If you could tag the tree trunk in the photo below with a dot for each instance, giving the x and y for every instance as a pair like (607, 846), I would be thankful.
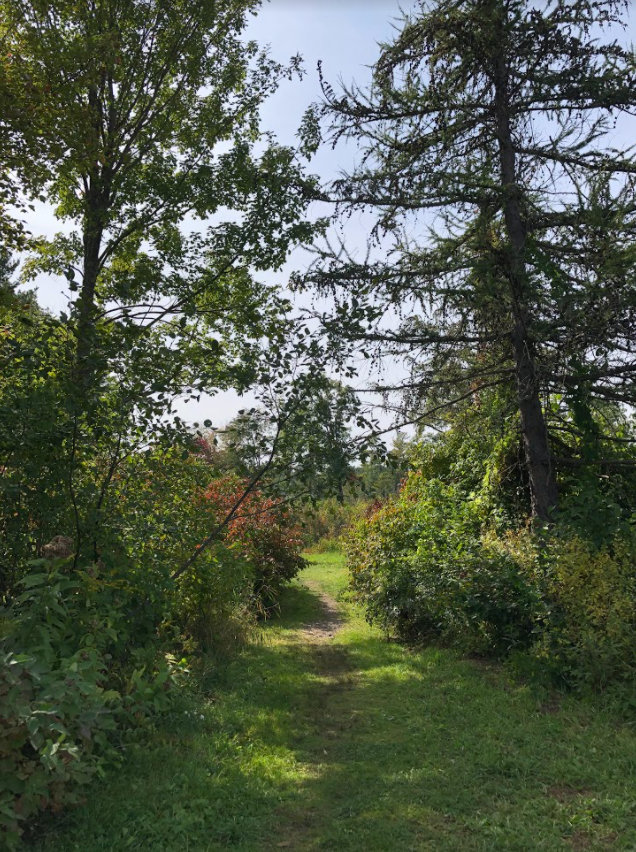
(97, 204)
(533, 429)
(86, 302)
(87, 356)
(533, 426)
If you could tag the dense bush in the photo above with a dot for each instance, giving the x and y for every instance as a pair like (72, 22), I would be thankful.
(69, 690)
(324, 523)
(327, 545)
(263, 532)
(215, 604)
(88, 653)
(422, 569)
(591, 635)
(158, 517)
(430, 565)
(34, 436)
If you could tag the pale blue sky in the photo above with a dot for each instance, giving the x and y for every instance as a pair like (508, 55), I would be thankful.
(342, 33)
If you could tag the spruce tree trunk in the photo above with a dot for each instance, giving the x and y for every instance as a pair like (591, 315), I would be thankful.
(533, 426)
(533, 429)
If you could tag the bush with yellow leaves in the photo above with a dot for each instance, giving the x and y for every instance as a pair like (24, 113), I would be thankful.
(591, 635)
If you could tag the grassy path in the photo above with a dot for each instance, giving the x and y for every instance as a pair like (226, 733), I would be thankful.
(322, 736)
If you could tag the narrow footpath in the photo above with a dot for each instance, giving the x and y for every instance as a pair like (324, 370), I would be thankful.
(321, 735)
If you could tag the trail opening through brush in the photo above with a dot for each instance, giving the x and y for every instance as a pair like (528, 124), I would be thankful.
(321, 735)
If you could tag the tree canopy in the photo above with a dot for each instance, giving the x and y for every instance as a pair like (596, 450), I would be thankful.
(149, 146)
(504, 214)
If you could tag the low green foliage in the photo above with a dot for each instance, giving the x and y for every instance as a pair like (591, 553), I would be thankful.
(591, 635)
(357, 743)
(431, 565)
(423, 571)
(214, 605)
(327, 545)
(66, 694)
(324, 523)
(88, 653)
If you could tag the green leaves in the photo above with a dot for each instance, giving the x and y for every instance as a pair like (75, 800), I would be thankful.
(502, 214)
(151, 116)
(58, 719)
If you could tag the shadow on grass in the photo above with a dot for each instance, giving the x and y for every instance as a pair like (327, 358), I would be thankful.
(298, 607)
(372, 748)
(426, 751)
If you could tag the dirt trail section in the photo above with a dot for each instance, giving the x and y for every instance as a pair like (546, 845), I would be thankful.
(330, 660)
(330, 622)
(301, 820)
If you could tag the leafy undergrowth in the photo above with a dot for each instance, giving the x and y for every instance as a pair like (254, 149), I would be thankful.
(354, 743)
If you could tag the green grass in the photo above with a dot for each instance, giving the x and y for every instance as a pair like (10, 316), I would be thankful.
(355, 743)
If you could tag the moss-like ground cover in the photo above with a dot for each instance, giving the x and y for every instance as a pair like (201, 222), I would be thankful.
(310, 742)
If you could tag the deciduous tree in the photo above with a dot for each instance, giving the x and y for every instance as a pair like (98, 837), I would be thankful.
(173, 200)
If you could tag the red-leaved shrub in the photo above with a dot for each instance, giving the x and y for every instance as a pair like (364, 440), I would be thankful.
(264, 532)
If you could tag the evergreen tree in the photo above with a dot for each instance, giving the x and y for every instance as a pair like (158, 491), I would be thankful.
(502, 253)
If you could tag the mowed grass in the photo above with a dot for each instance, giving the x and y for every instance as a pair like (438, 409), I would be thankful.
(355, 743)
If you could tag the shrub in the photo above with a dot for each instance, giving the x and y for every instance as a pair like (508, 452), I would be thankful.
(54, 721)
(215, 600)
(591, 637)
(327, 545)
(423, 570)
(263, 533)
(428, 567)
(328, 520)
(85, 650)
(67, 688)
